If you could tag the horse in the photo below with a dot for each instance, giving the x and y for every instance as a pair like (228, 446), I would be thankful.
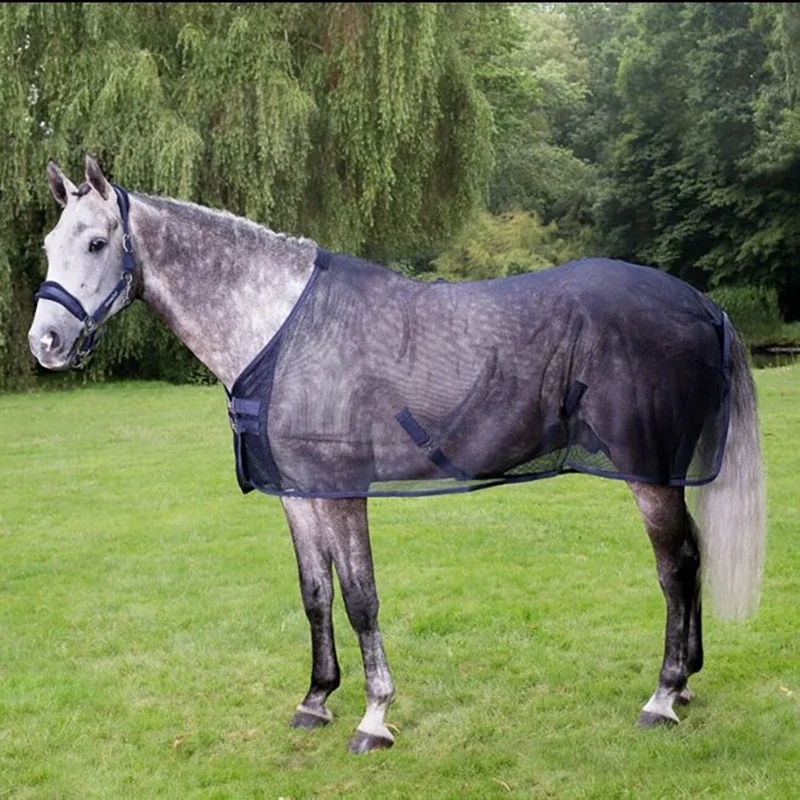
(346, 380)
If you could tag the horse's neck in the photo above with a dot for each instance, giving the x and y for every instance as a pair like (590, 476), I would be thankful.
(222, 284)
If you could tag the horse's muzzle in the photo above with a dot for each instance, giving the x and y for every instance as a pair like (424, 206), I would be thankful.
(50, 351)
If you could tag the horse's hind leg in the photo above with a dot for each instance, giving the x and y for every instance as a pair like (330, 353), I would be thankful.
(694, 655)
(352, 557)
(312, 547)
(678, 562)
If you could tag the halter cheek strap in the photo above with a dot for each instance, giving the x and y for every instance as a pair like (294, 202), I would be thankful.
(51, 290)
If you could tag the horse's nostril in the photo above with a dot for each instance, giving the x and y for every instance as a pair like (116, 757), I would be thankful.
(50, 341)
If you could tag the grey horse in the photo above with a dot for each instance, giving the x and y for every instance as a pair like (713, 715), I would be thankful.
(345, 381)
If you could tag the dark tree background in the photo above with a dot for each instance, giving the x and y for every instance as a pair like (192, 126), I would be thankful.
(458, 139)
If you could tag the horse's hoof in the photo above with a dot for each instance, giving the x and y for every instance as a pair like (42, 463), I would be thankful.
(307, 721)
(648, 719)
(367, 742)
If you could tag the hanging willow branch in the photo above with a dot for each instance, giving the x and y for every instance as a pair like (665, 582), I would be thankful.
(356, 124)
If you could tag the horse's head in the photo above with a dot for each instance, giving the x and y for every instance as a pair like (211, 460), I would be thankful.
(89, 267)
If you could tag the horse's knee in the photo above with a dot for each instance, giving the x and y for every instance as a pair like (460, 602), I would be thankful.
(689, 557)
(317, 600)
(679, 569)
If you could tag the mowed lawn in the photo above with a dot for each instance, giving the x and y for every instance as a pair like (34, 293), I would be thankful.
(153, 643)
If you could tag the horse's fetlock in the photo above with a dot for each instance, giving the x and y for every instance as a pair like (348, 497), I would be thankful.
(674, 678)
(381, 698)
(694, 663)
(328, 683)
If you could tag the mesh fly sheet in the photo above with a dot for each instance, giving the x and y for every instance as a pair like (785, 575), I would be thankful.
(380, 385)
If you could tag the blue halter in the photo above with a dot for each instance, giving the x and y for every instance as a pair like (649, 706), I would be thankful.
(51, 290)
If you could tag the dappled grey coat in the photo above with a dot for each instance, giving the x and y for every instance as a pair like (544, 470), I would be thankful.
(378, 384)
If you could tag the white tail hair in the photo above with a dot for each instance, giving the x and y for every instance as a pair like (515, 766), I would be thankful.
(731, 511)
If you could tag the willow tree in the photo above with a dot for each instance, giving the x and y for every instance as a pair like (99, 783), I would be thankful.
(357, 124)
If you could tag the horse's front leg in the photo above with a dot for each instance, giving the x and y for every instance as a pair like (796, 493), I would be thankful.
(352, 556)
(312, 547)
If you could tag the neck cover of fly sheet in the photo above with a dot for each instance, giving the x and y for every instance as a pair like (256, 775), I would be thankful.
(379, 385)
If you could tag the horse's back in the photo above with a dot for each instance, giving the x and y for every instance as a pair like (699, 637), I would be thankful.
(596, 365)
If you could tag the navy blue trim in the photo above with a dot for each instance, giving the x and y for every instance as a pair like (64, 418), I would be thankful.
(244, 415)
(252, 416)
(244, 374)
(238, 447)
(55, 292)
(124, 203)
(323, 259)
(246, 407)
(727, 330)
(488, 483)
(103, 309)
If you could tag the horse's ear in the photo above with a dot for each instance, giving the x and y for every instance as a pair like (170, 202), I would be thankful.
(96, 178)
(60, 184)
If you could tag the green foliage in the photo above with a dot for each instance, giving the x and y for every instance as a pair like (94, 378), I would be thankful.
(777, 108)
(494, 246)
(670, 129)
(360, 125)
(753, 310)
(702, 170)
(600, 29)
(537, 88)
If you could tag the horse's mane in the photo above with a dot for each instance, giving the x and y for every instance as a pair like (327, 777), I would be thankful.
(227, 221)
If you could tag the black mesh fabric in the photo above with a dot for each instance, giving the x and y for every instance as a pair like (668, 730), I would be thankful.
(381, 385)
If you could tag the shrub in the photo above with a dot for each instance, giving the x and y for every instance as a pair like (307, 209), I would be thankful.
(753, 310)
(493, 246)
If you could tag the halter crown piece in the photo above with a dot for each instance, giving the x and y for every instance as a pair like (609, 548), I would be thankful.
(51, 290)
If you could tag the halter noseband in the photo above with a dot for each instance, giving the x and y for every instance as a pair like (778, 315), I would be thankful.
(51, 290)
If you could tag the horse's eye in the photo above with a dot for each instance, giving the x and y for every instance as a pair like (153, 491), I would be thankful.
(96, 245)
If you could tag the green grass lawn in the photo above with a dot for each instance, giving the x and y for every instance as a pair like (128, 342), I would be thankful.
(153, 643)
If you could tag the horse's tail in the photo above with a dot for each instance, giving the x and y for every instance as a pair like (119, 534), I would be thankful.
(731, 510)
